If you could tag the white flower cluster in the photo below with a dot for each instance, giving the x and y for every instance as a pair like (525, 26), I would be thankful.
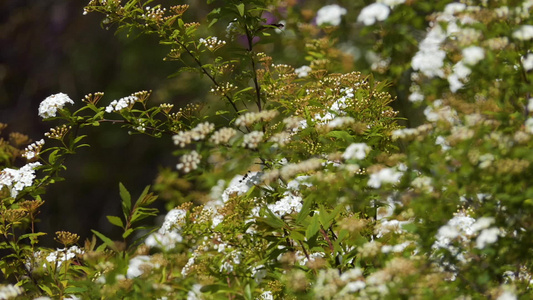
(290, 170)
(462, 228)
(251, 140)
(169, 234)
(423, 183)
(330, 15)
(140, 264)
(253, 117)
(372, 13)
(56, 258)
(240, 184)
(212, 43)
(356, 151)
(120, 104)
(49, 107)
(184, 138)
(385, 175)
(32, 150)
(286, 205)
(337, 108)
(189, 162)
(340, 122)
(303, 71)
(280, 138)
(10, 291)
(524, 33)
(222, 136)
(17, 180)
(527, 62)
(430, 57)
(406, 133)
(471, 56)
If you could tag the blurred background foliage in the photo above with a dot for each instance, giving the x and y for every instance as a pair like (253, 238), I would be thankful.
(49, 46)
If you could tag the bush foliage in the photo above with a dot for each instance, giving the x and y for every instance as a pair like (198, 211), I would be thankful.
(294, 178)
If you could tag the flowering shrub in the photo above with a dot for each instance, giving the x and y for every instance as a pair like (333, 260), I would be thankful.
(304, 185)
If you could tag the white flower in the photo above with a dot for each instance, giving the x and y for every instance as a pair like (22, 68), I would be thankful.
(472, 55)
(356, 151)
(241, 184)
(138, 265)
(430, 58)
(524, 33)
(507, 295)
(372, 13)
(48, 108)
(453, 8)
(460, 74)
(391, 3)
(267, 296)
(173, 220)
(120, 104)
(189, 162)
(17, 180)
(527, 62)
(385, 175)
(303, 71)
(529, 125)
(10, 291)
(251, 140)
(487, 236)
(330, 14)
(286, 205)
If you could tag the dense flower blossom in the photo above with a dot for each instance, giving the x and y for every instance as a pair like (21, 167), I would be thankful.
(303, 71)
(391, 3)
(525, 33)
(32, 150)
(251, 140)
(356, 151)
(10, 291)
(385, 175)
(189, 162)
(120, 104)
(527, 62)
(17, 180)
(372, 13)
(286, 205)
(138, 265)
(56, 258)
(429, 59)
(49, 107)
(330, 15)
(212, 43)
(472, 55)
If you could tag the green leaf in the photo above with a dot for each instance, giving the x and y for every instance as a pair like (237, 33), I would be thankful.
(297, 236)
(52, 158)
(240, 8)
(126, 199)
(248, 292)
(340, 134)
(107, 241)
(75, 289)
(304, 212)
(313, 227)
(127, 233)
(46, 289)
(222, 112)
(115, 221)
